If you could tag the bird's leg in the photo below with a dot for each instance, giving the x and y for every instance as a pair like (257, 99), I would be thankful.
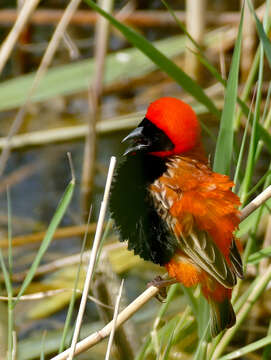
(161, 284)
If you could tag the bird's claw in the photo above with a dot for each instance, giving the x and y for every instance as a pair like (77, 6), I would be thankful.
(161, 284)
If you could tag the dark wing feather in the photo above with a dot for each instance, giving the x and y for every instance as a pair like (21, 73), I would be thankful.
(236, 260)
(200, 247)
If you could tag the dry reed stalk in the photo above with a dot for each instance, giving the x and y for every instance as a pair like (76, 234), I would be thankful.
(267, 242)
(195, 25)
(65, 232)
(105, 288)
(71, 46)
(92, 258)
(49, 293)
(76, 132)
(45, 62)
(14, 345)
(94, 93)
(123, 316)
(140, 18)
(64, 262)
(255, 203)
(116, 311)
(152, 291)
(19, 221)
(10, 41)
(19, 175)
(53, 266)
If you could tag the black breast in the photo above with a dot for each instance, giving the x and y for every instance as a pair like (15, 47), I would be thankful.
(133, 210)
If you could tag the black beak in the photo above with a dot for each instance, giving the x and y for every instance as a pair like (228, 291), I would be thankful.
(138, 140)
(147, 138)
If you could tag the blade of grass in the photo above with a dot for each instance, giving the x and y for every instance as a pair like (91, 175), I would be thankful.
(169, 345)
(253, 139)
(42, 355)
(256, 257)
(223, 153)
(202, 315)
(182, 27)
(185, 325)
(247, 349)
(267, 350)
(160, 59)
(10, 293)
(242, 148)
(262, 282)
(266, 119)
(142, 353)
(149, 345)
(262, 133)
(171, 293)
(73, 297)
(204, 60)
(7, 273)
(10, 260)
(201, 351)
(267, 104)
(10, 304)
(265, 136)
(248, 86)
(244, 303)
(238, 302)
(260, 182)
(161, 312)
(262, 31)
(183, 329)
(254, 226)
(252, 73)
(58, 215)
(259, 146)
(244, 298)
(254, 133)
(190, 297)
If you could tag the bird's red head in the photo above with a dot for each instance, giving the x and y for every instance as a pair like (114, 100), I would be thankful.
(170, 127)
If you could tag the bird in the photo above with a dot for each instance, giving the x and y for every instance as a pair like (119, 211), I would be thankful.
(175, 211)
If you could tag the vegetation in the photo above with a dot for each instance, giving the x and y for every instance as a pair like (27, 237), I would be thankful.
(179, 327)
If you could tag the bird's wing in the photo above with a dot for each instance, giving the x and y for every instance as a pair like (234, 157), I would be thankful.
(199, 246)
(236, 260)
(201, 211)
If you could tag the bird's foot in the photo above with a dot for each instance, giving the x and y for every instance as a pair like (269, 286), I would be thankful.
(161, 284)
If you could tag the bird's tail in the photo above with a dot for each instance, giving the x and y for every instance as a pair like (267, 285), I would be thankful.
(222, 315)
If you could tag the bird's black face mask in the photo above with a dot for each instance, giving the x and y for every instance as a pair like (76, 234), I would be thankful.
(148, 138)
